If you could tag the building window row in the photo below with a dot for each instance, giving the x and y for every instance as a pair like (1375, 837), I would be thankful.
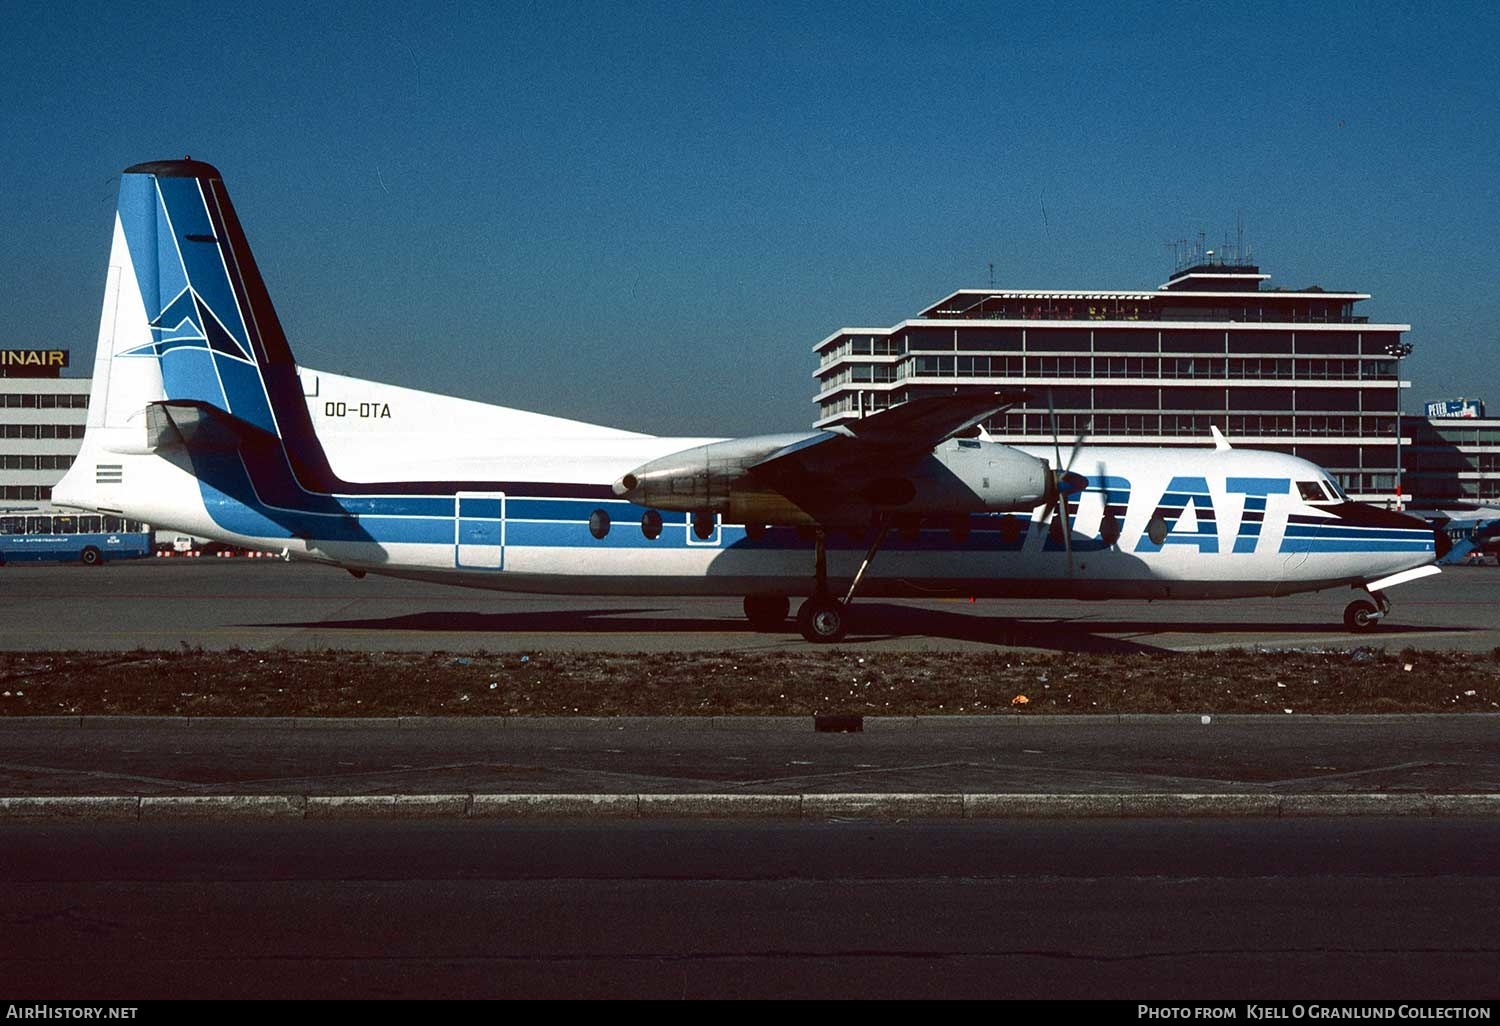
(1452, 461)
(27, 461)
(1450, 433)
(873, 345)
(1098, 425)
(862, 373)
(1212, 399)
(851, 402)
(1452, 489)
(1230, 368)
(26, 493)
(1335, 312)
(45, 400)
(41, 430)
(1321, 344)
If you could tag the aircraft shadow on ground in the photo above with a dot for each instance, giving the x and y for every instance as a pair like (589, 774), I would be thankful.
(876, 621)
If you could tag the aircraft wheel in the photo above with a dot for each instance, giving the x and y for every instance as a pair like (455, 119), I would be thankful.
(767, 612)
(90, 556)
(1360, 615)
(822, 619)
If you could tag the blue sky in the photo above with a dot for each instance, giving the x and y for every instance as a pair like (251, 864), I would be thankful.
(647, 214)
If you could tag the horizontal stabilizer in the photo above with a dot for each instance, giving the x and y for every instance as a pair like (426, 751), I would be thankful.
(200, 426)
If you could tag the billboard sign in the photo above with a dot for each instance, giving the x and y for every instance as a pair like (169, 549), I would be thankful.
(1445, 409)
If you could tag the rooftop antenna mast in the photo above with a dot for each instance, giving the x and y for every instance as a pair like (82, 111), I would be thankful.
(1179, 248)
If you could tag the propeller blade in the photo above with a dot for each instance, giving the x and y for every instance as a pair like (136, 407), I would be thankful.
(1057, 463)
(1060, 473)
(1078, 443)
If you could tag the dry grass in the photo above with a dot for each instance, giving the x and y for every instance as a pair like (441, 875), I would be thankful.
(340, 683)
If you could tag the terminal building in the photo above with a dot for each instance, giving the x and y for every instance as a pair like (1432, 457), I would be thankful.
(1294, 370)
(42, 418)
(1453, 462)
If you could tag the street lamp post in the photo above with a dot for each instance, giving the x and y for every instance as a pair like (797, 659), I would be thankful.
(1400, 350)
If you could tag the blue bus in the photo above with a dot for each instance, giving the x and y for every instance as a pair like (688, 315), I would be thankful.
(89, 539)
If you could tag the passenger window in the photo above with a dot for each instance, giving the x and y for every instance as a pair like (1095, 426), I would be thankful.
(1109, 529)
(1156, 530)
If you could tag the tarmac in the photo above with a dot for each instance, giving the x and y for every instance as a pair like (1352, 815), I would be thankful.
(257, 604)
(161, 769)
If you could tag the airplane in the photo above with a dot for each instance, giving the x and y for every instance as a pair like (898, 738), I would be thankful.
(202, 422)
(1476, 537)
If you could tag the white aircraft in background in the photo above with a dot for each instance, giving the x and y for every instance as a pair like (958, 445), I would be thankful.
(202, 422)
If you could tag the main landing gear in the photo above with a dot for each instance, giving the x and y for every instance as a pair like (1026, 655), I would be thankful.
(823, 617)
(1364, 613)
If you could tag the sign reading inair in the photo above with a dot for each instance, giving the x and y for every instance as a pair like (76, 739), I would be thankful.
(32, 363)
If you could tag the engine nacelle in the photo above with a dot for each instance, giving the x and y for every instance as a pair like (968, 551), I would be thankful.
(961, 476)
(703, 478)
(969, 476)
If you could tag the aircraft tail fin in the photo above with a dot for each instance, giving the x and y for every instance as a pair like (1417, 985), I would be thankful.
(188, 319)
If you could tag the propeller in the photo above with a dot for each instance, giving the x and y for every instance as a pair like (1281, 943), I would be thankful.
(1064, 481)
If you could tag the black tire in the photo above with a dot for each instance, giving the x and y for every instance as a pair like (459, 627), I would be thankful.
(1361, 615)
(822, 620)
(767, 612)
(91, 556)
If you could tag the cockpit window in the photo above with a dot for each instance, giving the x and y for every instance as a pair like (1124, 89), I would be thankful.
(1333, 486)
(1311, 491)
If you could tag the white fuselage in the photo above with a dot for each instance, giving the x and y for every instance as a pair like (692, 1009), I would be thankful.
(1235, 522)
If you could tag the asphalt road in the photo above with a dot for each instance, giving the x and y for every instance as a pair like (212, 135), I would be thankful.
(1319, 909)
(222, 604)
(1252, 755)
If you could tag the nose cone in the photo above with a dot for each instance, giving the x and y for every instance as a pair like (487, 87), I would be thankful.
(1364, 515)
(1069, 483)
(1413, 529)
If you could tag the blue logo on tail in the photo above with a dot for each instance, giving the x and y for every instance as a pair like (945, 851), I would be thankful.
(182, 267)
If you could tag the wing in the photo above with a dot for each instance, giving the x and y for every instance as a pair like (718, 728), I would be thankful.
(865, 458)
(884, 461)
(891, 440)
